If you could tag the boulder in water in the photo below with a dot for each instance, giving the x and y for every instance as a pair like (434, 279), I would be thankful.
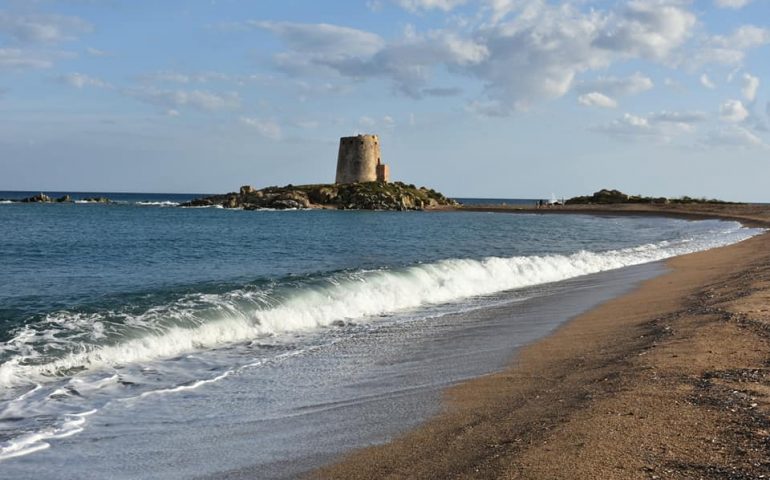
(39, 198)
(97, 200)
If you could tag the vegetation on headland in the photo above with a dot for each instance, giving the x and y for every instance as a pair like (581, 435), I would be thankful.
(352, 196)
(607, 197)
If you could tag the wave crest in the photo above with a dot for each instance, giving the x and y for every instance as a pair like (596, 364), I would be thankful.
(205, 321)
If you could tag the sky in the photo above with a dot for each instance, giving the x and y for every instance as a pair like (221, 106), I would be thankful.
(476, 98)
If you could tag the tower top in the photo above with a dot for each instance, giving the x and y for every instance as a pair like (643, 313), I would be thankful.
(361, 137)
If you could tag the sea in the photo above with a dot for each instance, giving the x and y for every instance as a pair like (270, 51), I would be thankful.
(140, 339)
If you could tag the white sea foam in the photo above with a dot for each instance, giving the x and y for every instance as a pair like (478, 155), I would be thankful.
(243, 315)
(199, 383)
(189, 386)
(36, 441)
(158, 204)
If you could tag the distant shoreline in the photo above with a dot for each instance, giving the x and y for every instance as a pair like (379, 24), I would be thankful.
(750, 214)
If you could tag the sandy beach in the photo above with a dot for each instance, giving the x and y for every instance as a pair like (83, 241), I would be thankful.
(668, 381)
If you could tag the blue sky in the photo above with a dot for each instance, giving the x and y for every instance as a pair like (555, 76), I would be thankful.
(495, 98)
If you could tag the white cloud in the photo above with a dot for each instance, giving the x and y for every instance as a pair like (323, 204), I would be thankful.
(682, 118)
(17, 59)
(80, 80)
(661, 127)
(318, 49)
(441, 91)
(734, 136)
(539, 56)
(95, 52)
(750, 87)
(628, 126)
(615, 86)
(728, 49)
(706, 82)
(266, 128)
(329, 42)
(731, 3)
(733, 111)
(30, 38)
(648, 29)
(539, 53)
(596, 99)
(673, 84)
(500, 9)
(25, 29)
(417, 5)
(410, 61)
(313, 48)
(746, 36)
(170, 76)
(176, 99)
(522, 51)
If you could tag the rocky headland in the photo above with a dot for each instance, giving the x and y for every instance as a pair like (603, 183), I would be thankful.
(609, 197)
(43, 198)
(352, 196)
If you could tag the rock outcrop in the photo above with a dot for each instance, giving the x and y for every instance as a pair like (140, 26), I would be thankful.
(606, 196)
(354, 196)
(43, 198)
(39, 198)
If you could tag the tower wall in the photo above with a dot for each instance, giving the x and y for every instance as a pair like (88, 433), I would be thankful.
(383, 173)
(358, 159)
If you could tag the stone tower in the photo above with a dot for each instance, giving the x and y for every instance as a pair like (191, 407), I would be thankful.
(359, 160)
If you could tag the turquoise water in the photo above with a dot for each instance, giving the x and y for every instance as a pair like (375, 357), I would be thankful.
(102, 305)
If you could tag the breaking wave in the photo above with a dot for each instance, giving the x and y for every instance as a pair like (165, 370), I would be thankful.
(67, 341)
(38, 440)
(158, 204)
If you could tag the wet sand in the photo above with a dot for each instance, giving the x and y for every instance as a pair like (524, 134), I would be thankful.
(669, 381)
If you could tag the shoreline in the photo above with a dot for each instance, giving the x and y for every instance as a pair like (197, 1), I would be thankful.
(750, 215)
(667, 381)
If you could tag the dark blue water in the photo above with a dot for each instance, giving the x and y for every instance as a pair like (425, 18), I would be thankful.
(102, 305)
(71, 255)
